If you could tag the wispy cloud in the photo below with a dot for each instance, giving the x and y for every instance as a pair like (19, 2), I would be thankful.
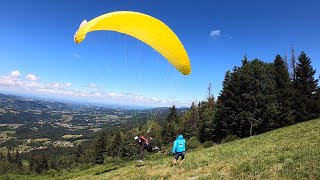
(218, 34)
(76, 55)
(13, 82)
(215, 34)
(92, 85)
(67, 84)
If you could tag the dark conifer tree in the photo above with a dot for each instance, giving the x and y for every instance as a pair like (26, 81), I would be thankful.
(256, 106)
(2, 156)
(117, 145)
(99, 148)
(52, 162)
(203, 125)
(9, 157)
(284, 92)
(226, 102)
(305, 89)
(173, 115)
(247, 104)
(206, 111)
(317, 105)
(191, 122)
(79, 153)
(172, 120)
(32, 162)
(43, 163)
(17, 159)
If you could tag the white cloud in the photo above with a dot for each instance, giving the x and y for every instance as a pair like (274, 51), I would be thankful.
(7, 81)
(30, 84)
(31, 77)
(93, 86)
(215, 34)
(111, 94)
(58, 85)
(15, 74)
(50, 91)
(155, 99)
(67, 84)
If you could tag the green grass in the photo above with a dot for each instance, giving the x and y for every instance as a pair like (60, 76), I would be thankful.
(66, 118)
(8, 132)
(287, 153)
(69, 136)
(80, 141)
(7, 135)
(41, 140)
(3, 150)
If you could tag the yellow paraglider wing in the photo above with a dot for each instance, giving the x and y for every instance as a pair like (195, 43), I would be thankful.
(145, 28)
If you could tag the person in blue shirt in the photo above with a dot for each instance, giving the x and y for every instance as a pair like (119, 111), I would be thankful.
(179, 149)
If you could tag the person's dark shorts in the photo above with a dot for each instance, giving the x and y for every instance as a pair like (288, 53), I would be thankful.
(176, 157)
(147, 147)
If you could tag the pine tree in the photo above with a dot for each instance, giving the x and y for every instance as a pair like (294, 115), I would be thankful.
(255, 102)
(173, 115)
(117, 145)
(169, 129)
(9, 157)
(247, 104)
(203, 123)
(79, 153)
(53, 163)
(192, 122)
(225, 102)
(244, 60)
(305, 89)
(284, 92)
(99, 147)
(317, 105)
(156, 133)
(210, 98)
(32, 162)
(17, 160)
(293, 72)
(2, 156)
(43, 163)
(206, 111)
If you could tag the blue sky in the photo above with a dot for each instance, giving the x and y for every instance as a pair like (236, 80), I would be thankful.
(38, 55)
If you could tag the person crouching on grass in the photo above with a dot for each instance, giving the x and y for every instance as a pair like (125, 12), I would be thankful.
(179, 149)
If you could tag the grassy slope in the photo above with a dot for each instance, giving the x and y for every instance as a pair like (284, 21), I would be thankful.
(288, 153)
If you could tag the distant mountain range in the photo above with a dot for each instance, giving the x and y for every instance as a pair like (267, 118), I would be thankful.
(18, 109)
(39, 100)
(76, 102)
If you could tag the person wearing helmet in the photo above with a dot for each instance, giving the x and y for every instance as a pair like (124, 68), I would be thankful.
(179, 149)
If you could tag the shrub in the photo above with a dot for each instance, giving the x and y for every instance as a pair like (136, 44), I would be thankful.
(83, 167)
(166, 150)
(230, 138)
(193, 143)
(52, 173)
(207, 144)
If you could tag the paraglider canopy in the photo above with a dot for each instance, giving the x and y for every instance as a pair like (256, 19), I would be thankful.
(145, 28)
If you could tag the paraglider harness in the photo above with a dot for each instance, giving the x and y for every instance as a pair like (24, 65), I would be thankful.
(144, 143)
